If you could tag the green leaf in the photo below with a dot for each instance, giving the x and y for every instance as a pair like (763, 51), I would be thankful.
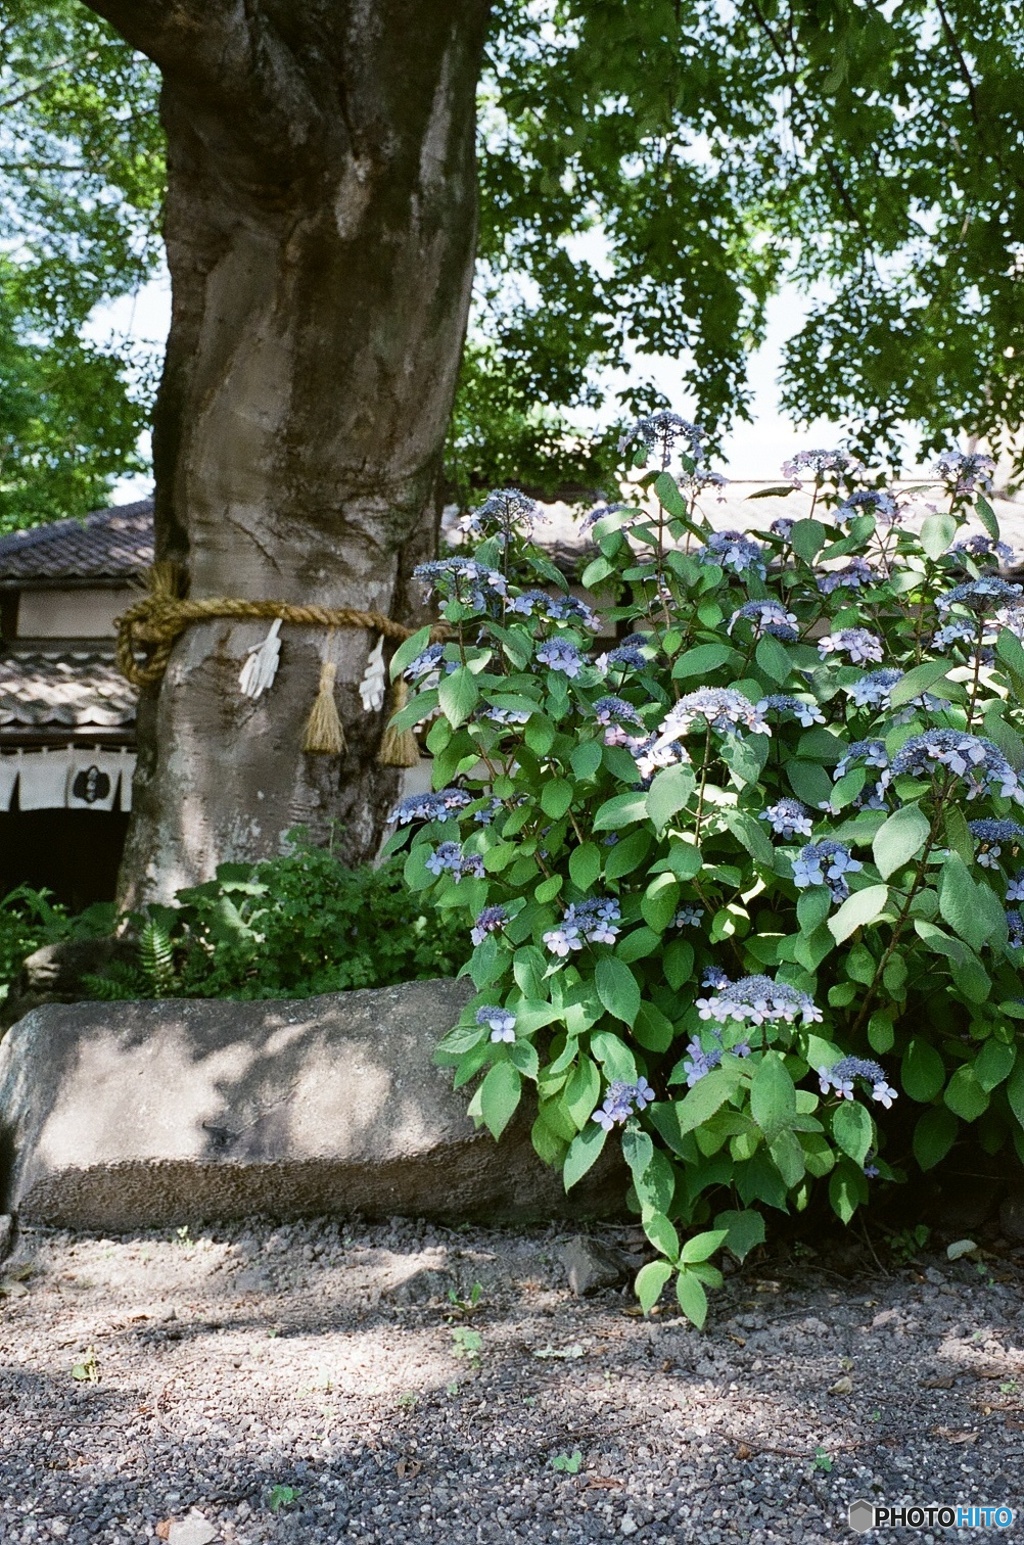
(788, 1158)
(617, 988)
(957, 833)
(922, 1072)
(458, 695)
(548, 889)
(1015, 1091)
(857, 911)
(620, 810)
(627, 856)
(964, 1094)
(638, 1151)
(900, 839)
(921, 679)
(702, 660)
(661, 1234)
(693, 1300)
(773, 659)
(684, 859)
(700, 1247)
(584, 1152)
(744, 1231)
(407, 651)
(987, 516)
(669, 792)
(808, 538)
(556, 797)
(696, 1107)
(585, 758)
(650, 1281)
(772, 1096)
(994, 1063)
(938, 531)
(585, 865)
(934, 1136)
(971, 909)
(660, 901)
(653, 1029)
(809, 782)
(852, 1129)
(499, 1096)
(615, 1057)
(581, 1093)
(751, 834)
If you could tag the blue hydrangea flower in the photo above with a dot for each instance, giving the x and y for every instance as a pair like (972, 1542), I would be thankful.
(858, 643)
(594, 921)
(629, 655)
(757, 1000)
(502, 1022)
(490, 920)
(783, 527)
(662, 431)
(842, 1076)
(569, 608)
(529, 601)
(615, 710)
(621, 1101)
(714, 976)
(959, 631)
(981, 547)
(821, 464)
(767, 617)
(485, 815)
(963, 473)
(1015, 928)
(825, 863)
(796, 708)
(733, 550)
(719, 708)
(463, 580)
(856, 574)
(428, 661)
(871, 752)
(981, 765)
(505, 715)
(651, 753)
(687, 917)
(1015, 887)
(869, 501)
(700, 1059)
(991, 835)
(788, 818)
(561, 655)
(872, 690)
(981, 596)
(441, 806)
(506, 512)
(601, 510)
(449, 856)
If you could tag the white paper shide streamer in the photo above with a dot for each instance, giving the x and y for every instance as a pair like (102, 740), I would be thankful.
(260, 668)
(373, 687)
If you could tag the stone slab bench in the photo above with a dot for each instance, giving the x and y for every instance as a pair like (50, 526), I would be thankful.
(116, 1116)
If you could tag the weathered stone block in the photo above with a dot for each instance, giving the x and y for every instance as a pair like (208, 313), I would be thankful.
(116, 1116)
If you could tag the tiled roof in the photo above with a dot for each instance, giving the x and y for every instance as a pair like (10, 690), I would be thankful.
(112, 544)
(70, 689)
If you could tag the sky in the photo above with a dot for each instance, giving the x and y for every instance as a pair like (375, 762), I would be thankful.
(753, 451)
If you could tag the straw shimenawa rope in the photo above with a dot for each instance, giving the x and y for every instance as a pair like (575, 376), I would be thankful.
(154, 624)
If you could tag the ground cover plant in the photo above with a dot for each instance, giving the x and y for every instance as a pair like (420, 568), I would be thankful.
(740, 882)
(30, 918)
(292, 926)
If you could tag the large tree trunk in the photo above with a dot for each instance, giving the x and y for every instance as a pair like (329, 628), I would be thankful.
(320, 233)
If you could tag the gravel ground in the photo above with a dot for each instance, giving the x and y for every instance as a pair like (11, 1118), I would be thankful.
(316, 1383)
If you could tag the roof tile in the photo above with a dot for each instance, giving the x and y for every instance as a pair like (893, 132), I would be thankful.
(111, 544)
(72, 689)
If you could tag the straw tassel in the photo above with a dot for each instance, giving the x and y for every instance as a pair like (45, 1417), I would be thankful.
(324, 733)
(398, 748)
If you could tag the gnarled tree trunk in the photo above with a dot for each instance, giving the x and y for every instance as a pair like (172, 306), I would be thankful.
(320, 233)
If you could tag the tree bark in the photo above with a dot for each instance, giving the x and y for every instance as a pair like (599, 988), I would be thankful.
(320, 226)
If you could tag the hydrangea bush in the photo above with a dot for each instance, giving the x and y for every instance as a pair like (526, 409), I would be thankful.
(741, 880)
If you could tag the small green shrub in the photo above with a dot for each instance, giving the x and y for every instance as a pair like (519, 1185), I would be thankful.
(289, 927)
(30, 918)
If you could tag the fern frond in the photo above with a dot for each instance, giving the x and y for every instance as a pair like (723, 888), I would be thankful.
(156, 956)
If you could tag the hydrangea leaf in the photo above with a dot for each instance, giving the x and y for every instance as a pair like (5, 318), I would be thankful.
(901, 839)
(584, 1152)
(858, 910)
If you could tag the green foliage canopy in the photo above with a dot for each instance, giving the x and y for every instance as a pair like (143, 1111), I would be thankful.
(650, 174)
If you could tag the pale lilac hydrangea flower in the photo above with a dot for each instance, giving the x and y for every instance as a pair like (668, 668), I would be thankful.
(842, 1076)
(767, 617)
(561, 655)
(991, 835)
(820, 464)
(463, 580)
(687, 917)
(621, 1101)
(733, 550)
(979, 762)
(448, 856)
(869, 501)
(856, 574)
(758, 1000)
(858, 643)
(662, 431)
(963, 473)
(825, 863)
(788, 818)
(502, 1022)
(490, 920)
(441, 806)
(594, 921)
(719, 708)
(796, 708)
(506, 512)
